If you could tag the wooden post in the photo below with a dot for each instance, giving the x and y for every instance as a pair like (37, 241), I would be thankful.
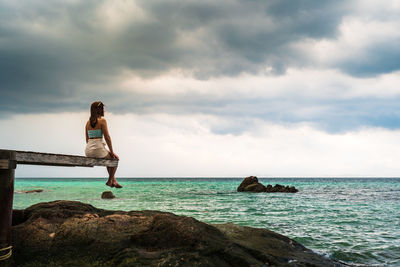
(8, 164)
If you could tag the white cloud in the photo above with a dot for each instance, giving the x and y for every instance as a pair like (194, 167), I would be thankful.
(386, 9)
(356, 35)
(366, 42)
(309, 83)
(117, 15)
(169, 145)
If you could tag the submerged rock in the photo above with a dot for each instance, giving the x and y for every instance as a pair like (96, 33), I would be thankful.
(107, 195)
(251, 184)
(70, 233)
(29, 191)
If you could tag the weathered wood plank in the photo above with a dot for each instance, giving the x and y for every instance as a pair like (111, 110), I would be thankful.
(36, 158)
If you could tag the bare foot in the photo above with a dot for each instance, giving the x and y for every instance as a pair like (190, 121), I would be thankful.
(117, 185)
(110, 184)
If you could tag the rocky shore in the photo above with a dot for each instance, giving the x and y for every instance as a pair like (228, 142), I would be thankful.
(69, 233)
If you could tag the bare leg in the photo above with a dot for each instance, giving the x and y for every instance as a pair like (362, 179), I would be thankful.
(112, 182)
(110, 177)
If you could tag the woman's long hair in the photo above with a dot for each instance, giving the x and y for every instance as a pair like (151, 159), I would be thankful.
(96, 110)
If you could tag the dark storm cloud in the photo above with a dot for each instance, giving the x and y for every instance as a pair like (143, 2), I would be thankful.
(235, 37)
(60, 56)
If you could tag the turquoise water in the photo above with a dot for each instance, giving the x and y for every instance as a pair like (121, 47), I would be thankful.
(348, 219)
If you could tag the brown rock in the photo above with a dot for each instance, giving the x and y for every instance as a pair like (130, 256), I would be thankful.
(251, 184)
(70, 233)
(292, 189)
(107, 195)
(247, 181)
(31, 191)
(280, 189)
(18, 217)
(255, 188)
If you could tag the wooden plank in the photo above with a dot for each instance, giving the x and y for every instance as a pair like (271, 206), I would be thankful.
(36, 158)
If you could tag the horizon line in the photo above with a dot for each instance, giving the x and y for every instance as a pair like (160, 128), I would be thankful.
(218, 177)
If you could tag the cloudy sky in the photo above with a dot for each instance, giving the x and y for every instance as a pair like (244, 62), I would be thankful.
(206, 88)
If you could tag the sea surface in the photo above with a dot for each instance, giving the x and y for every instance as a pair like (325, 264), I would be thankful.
(355, 220)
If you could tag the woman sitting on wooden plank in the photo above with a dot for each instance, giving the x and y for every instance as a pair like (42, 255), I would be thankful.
(95, 128)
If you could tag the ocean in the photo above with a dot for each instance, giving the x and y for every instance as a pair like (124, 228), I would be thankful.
(355, 220)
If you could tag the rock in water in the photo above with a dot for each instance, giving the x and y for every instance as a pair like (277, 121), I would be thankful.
(255, 188)
(30, 191)
(246, 182)
(251, 184)
(280, 189)
(107, 195)
(70, 233)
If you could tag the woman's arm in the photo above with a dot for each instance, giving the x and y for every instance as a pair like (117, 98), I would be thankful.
(107, 137)
(86, 133)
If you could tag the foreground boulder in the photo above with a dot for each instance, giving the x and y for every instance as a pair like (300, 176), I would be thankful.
(251, 184)
(69, 233)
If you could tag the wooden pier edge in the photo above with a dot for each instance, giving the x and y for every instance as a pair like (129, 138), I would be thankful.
(9, 159)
